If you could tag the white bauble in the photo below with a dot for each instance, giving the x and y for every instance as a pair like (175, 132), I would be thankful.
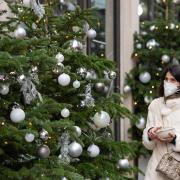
(91, 33)
(165, 58)
(101, 119)
(4, 89)
(59, 57)
(140, 124)
(127, 88)
(152, 43)
(29, 137)
(27, 3)
(123, 163)
(147, 99)
(78, 130)
(145, 77)
(64, 79)
(75, 149)
(172, 26)
(65, 112)
(93, 150)
(20, 32)
(152, 28)
(17, 115)
(76, 84)
(139, 46)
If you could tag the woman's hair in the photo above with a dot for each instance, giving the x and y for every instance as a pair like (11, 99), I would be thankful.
(175, 72)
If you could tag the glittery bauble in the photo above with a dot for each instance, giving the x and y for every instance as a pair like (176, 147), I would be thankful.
(4, 89)
(165, 58)
(145, 77)
(140, 124)
(123, 163)
(99, 87)
(127, 88)
(112, 75)
(44, 135)
(76, 84)
(43, 151)
(75, 149)
(78, 130)
(91, 33)
(64, 79)
(29, 137)
(20, 32)
(17, 115)
(93, 150)
(59, 57)
(65, 112)
(101, 119)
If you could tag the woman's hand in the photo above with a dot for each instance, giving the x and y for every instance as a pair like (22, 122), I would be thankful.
(168, 139)
(152, 132)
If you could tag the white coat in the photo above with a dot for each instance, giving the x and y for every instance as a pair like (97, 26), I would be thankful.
(164, 115)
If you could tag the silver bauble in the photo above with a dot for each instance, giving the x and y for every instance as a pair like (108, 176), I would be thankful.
(44, 135)
(4, 89)
(151, 44)
(78, 130)
(127, 89)
(106, 89)
(59, 57)
(93, 150)
(99, 87)
(76, 45)
(165, 58)
(101, 119)
(65, 112)
(20, 32)
(21, 79)
(17, 115)
(123, 163)
(152, 28)
(75, 149)
(29, 137)
(64, 79)
(140, 124)
(82, 71)
(91, 33)
(90, 75)
(112, 75)
(43, 151)
(76, 84)
(139, 46)
(145, 77)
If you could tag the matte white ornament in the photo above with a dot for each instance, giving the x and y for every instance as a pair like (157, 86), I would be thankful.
(78, 130)
(27, 3)
(165, 58)
(145, 77)
(65, 112)
(140, 124)
(4, 89)
(127, 88)
(101, 119)
(75, 149)
(17, 115)
(64, 79)
(59, 57)
(91, 33)
(20, 32)
(93, 150)
(29, 137)
(123, 163)
(76, 84)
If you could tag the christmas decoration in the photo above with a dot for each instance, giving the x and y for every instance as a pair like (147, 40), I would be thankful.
(78, 130)
(112, 75)
(147, 99)
(43, 151)
(101, 119)
(127, 88)
(76, 45)
(29, 137)
(44, 135)
(139, 46)
(27, 3)
(64, 79)
(99, 87)
(90, 75)
(152, 44)
(76, 84)
(59, 57)
(141, 123)
(165, 58)
(91, 33)
(82, 71)
(93, 150)
(65, 112)
(17, 115)
(75, 149)
(64, 178)
(4, 89)
(20, 32)
(145, 77)
(123, 163)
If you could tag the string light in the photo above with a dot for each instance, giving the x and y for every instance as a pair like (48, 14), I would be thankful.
(5, 142)
(49, 137)
(135, 103)
(102, 55)
(30, 123)
(153, 87)
(157, 74)
(177, 26)
(150, 92)
(166, 27)
(67, 37)
(136, 54)
(2, 123)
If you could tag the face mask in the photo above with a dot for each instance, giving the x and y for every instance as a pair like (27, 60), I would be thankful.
(169, 88)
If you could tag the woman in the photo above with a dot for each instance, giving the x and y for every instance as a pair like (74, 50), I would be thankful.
(163, 112)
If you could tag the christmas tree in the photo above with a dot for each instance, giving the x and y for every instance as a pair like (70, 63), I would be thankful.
(155, 47)
(56, 102)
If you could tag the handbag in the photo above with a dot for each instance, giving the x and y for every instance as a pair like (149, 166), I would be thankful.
(169, 165)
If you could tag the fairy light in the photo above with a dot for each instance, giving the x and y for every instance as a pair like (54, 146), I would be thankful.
(5, 142)
(150, 92)
(102, 55)
(166, 27)
(49, 137)
(153, 87)
(67, 37)
(136, 54)
(157, 74)
(30, 123)
(2, 123)
(177, 26)
(135, 103)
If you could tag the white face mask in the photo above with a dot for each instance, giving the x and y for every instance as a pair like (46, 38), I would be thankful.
(169, 88)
